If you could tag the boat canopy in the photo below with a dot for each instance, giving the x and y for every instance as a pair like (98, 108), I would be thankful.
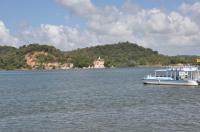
(185, 69)
(162, 70)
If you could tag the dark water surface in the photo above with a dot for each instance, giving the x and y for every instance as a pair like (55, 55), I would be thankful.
(108, 100)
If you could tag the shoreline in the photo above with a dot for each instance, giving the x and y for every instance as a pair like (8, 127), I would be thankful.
(140, 66)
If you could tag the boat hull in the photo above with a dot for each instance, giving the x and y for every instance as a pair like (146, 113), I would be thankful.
(170, 82)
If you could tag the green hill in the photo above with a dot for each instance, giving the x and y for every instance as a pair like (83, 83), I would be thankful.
(125, 55)
(119, 55)
(13, 58)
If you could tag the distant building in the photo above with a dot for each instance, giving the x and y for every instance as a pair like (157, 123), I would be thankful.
(99, 63)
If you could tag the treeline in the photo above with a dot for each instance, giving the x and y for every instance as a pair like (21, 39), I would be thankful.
(14, 58)
(125, 55)
(118, 55)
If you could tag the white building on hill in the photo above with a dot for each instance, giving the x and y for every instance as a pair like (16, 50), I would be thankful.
(99, 63)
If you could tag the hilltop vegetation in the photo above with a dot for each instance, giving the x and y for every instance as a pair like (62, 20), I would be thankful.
(118, 55)
(13, 58)
(125, 55)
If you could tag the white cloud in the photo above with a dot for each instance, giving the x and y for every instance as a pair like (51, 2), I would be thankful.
(66, 37)
(79, 7)
(60, 36)
(5, 36)
(195, 8)
(153, 28)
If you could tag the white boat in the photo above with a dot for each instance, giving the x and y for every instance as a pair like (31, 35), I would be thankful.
(187, 75)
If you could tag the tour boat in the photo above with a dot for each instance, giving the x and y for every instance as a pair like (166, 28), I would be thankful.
(186, 75)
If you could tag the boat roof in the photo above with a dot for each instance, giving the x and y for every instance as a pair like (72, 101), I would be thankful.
(162, 70)
(186, 69)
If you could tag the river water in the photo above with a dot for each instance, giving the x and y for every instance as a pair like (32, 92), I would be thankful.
(104, 100)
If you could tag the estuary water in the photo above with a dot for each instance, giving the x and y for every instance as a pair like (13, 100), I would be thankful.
(104, 100)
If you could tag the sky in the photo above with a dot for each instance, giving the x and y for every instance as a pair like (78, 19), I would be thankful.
(171, 27)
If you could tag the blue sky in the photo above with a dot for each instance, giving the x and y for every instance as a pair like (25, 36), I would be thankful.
(36, 12)
(102, 21)
(167, 4)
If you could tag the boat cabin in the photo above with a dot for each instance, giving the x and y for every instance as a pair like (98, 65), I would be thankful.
(179, 73)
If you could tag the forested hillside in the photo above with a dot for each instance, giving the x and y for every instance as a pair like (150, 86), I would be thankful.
(125, 55)
(118, 55)
(13, 58)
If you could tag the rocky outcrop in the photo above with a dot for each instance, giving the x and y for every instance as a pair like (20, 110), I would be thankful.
(56, 65)
(32, 61)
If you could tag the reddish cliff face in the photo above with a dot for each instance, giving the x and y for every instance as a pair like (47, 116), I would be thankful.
(32, 61)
